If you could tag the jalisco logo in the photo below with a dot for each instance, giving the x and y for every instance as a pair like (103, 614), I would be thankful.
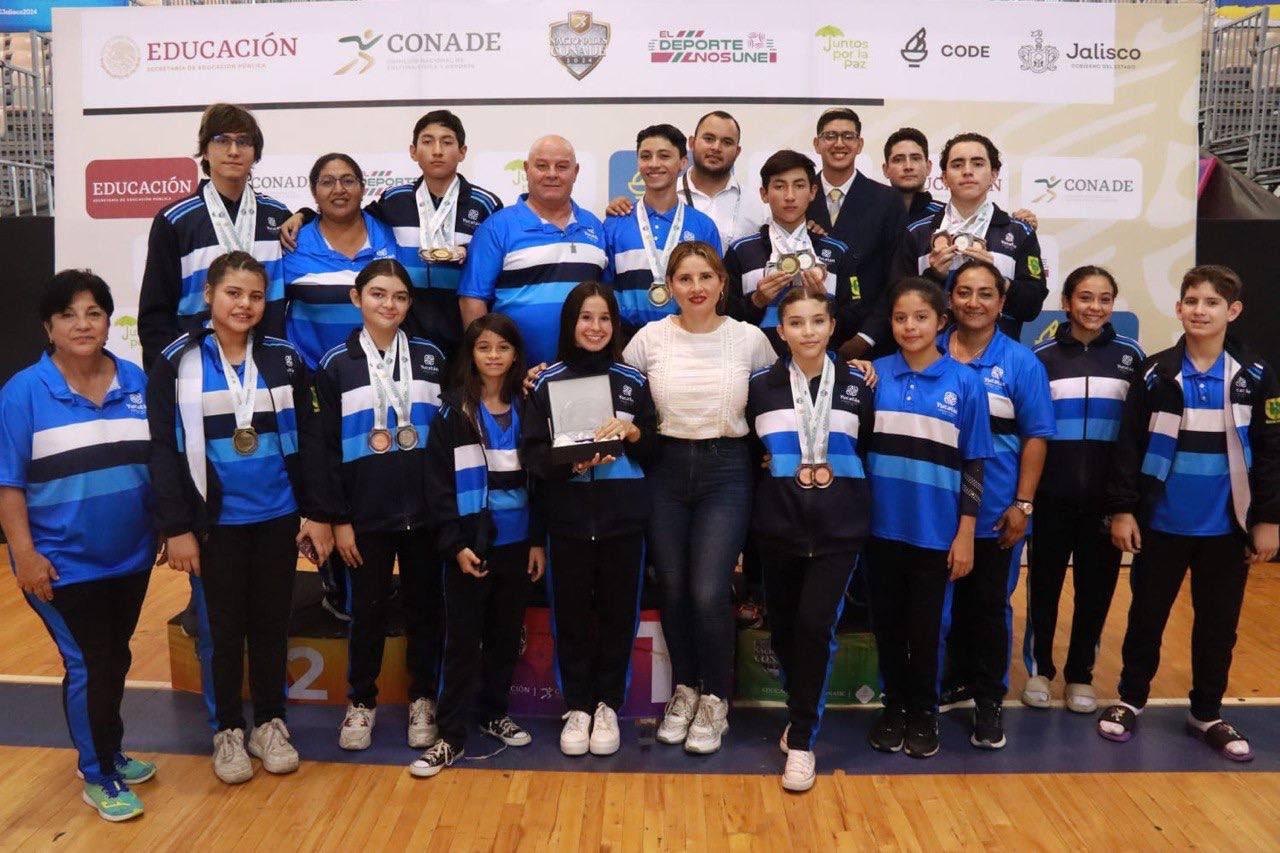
(695, 46)
(845, 52)
(578, 43)
(416, 50)
(1038, 57)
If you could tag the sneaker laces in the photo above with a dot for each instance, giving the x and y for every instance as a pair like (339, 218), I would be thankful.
(420, 713)
(276, 735)
(505, 727)
(576, 722)
(440, 752)
(706, 714)
(359, 715)
(226, 742)
(113, 788)
(604, 716)
(803, 761)
(678, 705)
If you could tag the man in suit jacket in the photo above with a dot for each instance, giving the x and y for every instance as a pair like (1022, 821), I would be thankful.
(864, 214)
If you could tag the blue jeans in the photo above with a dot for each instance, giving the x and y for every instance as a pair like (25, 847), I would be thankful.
(701, 509)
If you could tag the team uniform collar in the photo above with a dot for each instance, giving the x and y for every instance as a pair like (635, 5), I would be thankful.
(1064, 337)
(464, 188)
(779, 373)
(1215, 371)
(53, 379)
(991, 354)
(531, 221)
(898, 366)
(686, 181)
(1168, 364)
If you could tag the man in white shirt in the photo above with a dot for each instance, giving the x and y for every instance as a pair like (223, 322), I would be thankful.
(710, 184)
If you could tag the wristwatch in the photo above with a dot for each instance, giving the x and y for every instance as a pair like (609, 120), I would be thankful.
(1026, 507)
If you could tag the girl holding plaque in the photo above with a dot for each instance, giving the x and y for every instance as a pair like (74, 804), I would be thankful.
(478, 498)
(230, 419)
(925, 463)
(596, 511)
(378, 393)
(811, 415)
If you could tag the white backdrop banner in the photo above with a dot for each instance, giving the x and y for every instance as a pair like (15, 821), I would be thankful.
(1093, 106)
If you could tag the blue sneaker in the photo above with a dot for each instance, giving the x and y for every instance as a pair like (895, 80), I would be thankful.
(113, 800)
(134, 771)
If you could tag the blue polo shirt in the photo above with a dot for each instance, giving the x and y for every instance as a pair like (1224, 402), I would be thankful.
(83, 470)
(524, 267)
(317, 287)
(928, 424)
(1197, 492)
(1021, 407)
(628, 264)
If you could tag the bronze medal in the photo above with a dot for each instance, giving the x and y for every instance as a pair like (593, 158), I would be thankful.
(940, 241)
(823, 476)
(659, 294)
(245, 441)
(407, 437)
(804, 476)
(379, 440)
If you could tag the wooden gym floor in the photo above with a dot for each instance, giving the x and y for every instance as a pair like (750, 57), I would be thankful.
(345, 806)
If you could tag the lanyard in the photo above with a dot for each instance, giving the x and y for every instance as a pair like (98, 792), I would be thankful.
(243, 394)
(658, 260)
(813, 416)
(435, 224)
(385, 389)
(237, 235)
(733, 220)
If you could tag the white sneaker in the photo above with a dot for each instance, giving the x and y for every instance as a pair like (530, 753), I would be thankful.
(1081, 698)
(269, 743)
(782, 741)
(1036, 693)
(605, 737)
(800, 772)
(357, 727)
(423, 730)
(231, 763)
(709, 723)
(678, 715)
(575, 737)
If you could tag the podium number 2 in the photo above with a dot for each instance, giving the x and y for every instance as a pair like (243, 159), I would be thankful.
(301, 688)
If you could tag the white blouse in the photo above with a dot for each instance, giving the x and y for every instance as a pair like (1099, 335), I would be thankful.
(699, 381)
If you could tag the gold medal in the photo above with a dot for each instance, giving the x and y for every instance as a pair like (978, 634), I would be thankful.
(823, 476)
(379, 440)
(407, 437)
(245, 441)
(659, 294)
(440, 255)
(789, 264)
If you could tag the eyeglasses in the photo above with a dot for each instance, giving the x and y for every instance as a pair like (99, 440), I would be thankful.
(226, 140)
(834, 136)
(328, 182)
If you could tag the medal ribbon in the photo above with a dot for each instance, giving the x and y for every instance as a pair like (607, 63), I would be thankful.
(789, 244)
(237, 235)
(243, 394)
(658, 261)
(813, 416)
(435, 224)
(387, 390)
(975, 226)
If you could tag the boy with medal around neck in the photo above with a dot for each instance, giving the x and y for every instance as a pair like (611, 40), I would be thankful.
(219, 217)
(972, 226)
(639, 244)
(762, 267)
(433, 219)
(811, 415)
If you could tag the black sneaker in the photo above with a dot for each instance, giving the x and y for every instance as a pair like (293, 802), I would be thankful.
(921, 740)
(887, 734)
(435, 759)
(988, 727)
(506, 730)
(953, 697)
